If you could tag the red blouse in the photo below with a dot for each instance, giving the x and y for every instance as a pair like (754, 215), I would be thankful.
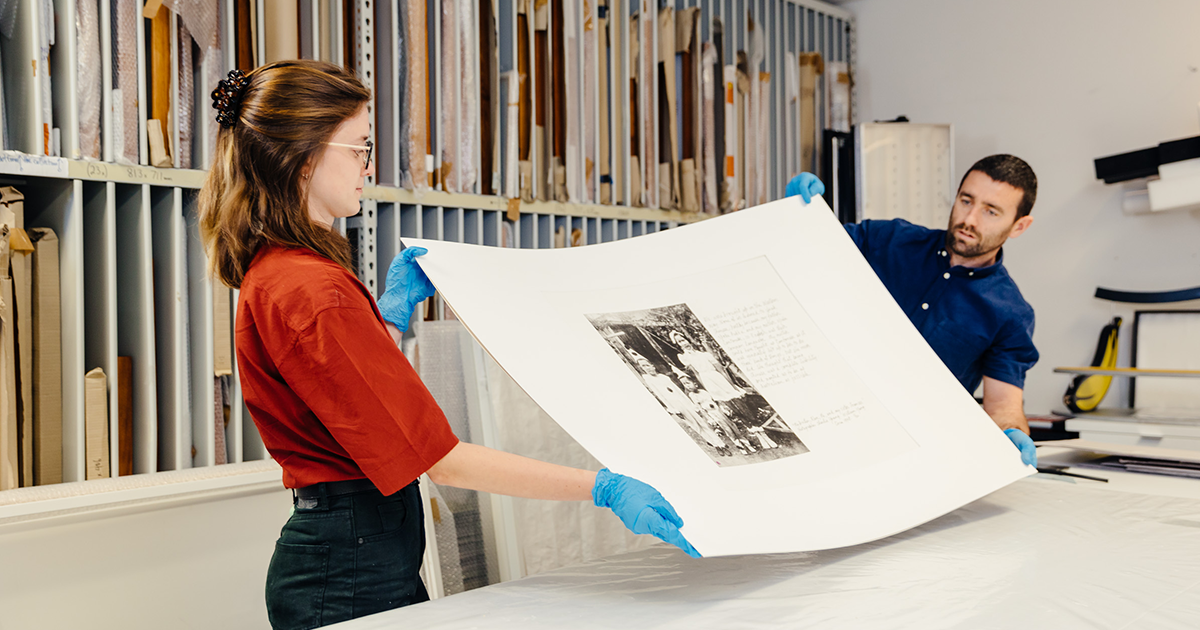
(332, 396)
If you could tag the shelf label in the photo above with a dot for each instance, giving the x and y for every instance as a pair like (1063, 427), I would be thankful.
(131, 173)
(17, 163)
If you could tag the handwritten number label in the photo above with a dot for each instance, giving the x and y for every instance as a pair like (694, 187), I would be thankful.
(97, 170)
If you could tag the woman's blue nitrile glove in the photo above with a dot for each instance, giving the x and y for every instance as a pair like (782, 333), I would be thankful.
(641, 508)
(407, 286)
(806, 185)
(1024, 444)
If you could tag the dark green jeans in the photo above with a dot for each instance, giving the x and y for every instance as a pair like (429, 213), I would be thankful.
(347, 556)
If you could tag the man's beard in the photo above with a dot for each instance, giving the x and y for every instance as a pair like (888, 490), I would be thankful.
(971, 250)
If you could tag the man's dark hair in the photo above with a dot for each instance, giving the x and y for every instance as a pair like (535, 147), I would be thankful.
(1011, 170)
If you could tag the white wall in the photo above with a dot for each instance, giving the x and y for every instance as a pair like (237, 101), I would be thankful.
(1057, 83)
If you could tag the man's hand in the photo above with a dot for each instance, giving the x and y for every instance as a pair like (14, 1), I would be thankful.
(1025, 445)
(806, 185)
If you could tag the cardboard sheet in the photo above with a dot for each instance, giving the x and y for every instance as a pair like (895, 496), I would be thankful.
(47, 359)
(749, 364)
(95, 424)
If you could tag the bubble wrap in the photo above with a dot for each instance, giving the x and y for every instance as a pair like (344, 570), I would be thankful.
(8, 17)
(550, 534)
(441, 370)
(446, 534)
(184, 105)
(202, 19)
(469, 98)
(87, 24)
(125, 21)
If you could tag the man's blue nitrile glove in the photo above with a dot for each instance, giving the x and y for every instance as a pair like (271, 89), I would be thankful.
(1023, 444)
(806, 185)
(407, 286)
(641, 508)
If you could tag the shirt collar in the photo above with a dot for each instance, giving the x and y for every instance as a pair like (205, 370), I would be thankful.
(943, 259)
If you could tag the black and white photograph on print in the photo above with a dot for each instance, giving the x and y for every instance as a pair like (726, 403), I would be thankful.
(672, 353)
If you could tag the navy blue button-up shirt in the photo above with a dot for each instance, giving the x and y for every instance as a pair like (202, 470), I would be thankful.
(974, 319)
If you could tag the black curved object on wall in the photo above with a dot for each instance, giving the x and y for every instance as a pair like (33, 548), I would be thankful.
(1148, 297)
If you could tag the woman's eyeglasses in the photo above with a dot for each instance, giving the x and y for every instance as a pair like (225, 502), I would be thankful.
(363, 151)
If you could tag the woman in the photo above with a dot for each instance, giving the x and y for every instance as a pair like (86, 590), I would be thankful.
(335, 401)
(711, 373)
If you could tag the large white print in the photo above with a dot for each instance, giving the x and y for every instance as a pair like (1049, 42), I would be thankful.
(751, 367)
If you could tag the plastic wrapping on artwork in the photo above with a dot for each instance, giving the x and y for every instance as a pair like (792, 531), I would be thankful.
(648, 92)
(574, 125)
(87, 24)
(184, 111)
(764, 134)
(730, 197)
(510, 89)
(468, 98)
(1037, 554)
(441, 369)
(707, 85)
(668, 114)
(457, 97)
(588, 192)
(201, 17)
(446, 534)
(126, 21)
(550, 534)
(753, 124)
(414, 103)
(201, 20)
(45, 84)
(448, 103)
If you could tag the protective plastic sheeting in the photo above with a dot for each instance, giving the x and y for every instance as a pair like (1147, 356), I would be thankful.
(1037, 554)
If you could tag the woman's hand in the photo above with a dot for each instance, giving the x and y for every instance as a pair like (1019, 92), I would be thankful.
(641, 508)
(407, 286)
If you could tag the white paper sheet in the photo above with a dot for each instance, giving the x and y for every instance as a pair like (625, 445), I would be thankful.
(825, 419)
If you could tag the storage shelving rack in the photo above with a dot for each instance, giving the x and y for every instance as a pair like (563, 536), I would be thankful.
(133, 275)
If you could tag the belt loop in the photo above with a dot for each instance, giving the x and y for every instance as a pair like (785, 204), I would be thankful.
(323, 504)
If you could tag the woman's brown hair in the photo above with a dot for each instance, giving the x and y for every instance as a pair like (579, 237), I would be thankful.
(253, 195)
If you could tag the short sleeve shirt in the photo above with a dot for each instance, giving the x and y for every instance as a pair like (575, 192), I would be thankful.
(975, 319)
(332, 396)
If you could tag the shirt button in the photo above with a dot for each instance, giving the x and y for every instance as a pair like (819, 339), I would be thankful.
(946, 275)
(925, 307)
(970, 273)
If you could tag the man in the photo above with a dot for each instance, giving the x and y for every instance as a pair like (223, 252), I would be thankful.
(953, 285)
